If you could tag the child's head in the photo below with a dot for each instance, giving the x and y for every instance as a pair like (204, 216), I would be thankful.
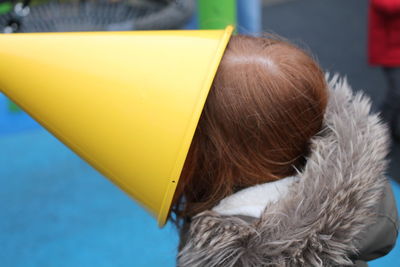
(267, 100)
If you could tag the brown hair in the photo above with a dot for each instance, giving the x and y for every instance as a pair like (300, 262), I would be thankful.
(266, 102)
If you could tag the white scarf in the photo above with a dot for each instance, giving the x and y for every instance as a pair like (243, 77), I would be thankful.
(253, 200)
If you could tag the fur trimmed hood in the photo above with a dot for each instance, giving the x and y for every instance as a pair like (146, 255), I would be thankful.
(325, 211)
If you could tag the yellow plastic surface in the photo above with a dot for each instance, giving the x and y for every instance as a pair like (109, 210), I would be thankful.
(126, 102)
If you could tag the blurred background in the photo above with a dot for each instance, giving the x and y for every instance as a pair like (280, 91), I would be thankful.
(55, 210)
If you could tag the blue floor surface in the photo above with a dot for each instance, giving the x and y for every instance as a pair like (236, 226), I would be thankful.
(55, 210)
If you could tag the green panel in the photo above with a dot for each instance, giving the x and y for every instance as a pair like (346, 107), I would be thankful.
(216, 14)
(5, 7)
(13, 107)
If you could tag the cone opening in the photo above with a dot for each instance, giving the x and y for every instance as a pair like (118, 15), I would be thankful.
(197, 110)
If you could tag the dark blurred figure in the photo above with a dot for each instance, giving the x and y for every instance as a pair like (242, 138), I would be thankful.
(384, 50)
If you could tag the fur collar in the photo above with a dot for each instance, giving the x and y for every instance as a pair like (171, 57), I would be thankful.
(252, 201)
(328, 208)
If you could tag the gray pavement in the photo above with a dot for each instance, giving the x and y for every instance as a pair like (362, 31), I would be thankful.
(335, 31)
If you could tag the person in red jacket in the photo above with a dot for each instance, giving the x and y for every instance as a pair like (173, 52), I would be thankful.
(384, 50)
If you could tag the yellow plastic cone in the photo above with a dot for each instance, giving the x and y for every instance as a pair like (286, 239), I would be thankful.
(126, 102)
